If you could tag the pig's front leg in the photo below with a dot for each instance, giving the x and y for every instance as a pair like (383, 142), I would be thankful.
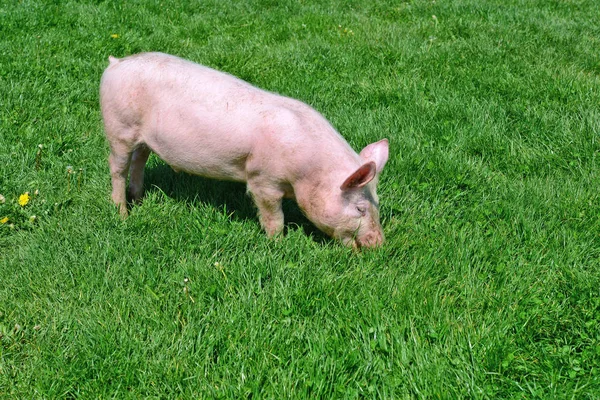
(268, 200)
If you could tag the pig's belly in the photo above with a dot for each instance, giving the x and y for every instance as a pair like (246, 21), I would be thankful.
(207, 165)
(207, 146)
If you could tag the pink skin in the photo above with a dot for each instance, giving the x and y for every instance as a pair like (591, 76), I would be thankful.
(212, 124)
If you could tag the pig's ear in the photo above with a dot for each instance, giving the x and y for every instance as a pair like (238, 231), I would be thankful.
(360, 177)
(377, 152)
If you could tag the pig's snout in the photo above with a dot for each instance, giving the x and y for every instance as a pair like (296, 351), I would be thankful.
(370, 239)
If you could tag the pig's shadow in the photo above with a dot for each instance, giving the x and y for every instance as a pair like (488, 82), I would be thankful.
(231, 196)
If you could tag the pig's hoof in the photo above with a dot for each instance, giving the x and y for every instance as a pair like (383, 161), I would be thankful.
(123, 212)
(135, 195)
(275, 234)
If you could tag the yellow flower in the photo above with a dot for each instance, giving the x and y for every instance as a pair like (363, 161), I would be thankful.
(24, 199)
(114, 36)
(4, 220)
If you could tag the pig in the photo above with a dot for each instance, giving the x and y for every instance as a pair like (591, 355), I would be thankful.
(209, 123)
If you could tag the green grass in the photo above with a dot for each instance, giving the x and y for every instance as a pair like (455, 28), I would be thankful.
(488, 285)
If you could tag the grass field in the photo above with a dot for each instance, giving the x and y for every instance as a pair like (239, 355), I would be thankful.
(488, 285)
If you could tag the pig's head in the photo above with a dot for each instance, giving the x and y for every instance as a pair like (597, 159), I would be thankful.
(353, 217)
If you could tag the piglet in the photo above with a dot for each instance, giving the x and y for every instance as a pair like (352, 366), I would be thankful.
(211, 124)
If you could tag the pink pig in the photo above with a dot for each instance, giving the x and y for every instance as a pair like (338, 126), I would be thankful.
(209, 123)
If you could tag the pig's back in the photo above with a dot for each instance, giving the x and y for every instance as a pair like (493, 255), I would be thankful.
(165, 78)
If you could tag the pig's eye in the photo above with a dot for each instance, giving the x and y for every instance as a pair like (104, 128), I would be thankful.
(361, 209)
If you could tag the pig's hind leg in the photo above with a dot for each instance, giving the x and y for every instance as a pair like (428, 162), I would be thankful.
(268, 200)
(136, 172)
(119, 161)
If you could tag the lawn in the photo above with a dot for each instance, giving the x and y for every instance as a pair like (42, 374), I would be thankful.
(488, 285)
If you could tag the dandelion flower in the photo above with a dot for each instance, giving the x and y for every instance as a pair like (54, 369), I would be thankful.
(24, 199)
(114, 36)
(4, 220)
